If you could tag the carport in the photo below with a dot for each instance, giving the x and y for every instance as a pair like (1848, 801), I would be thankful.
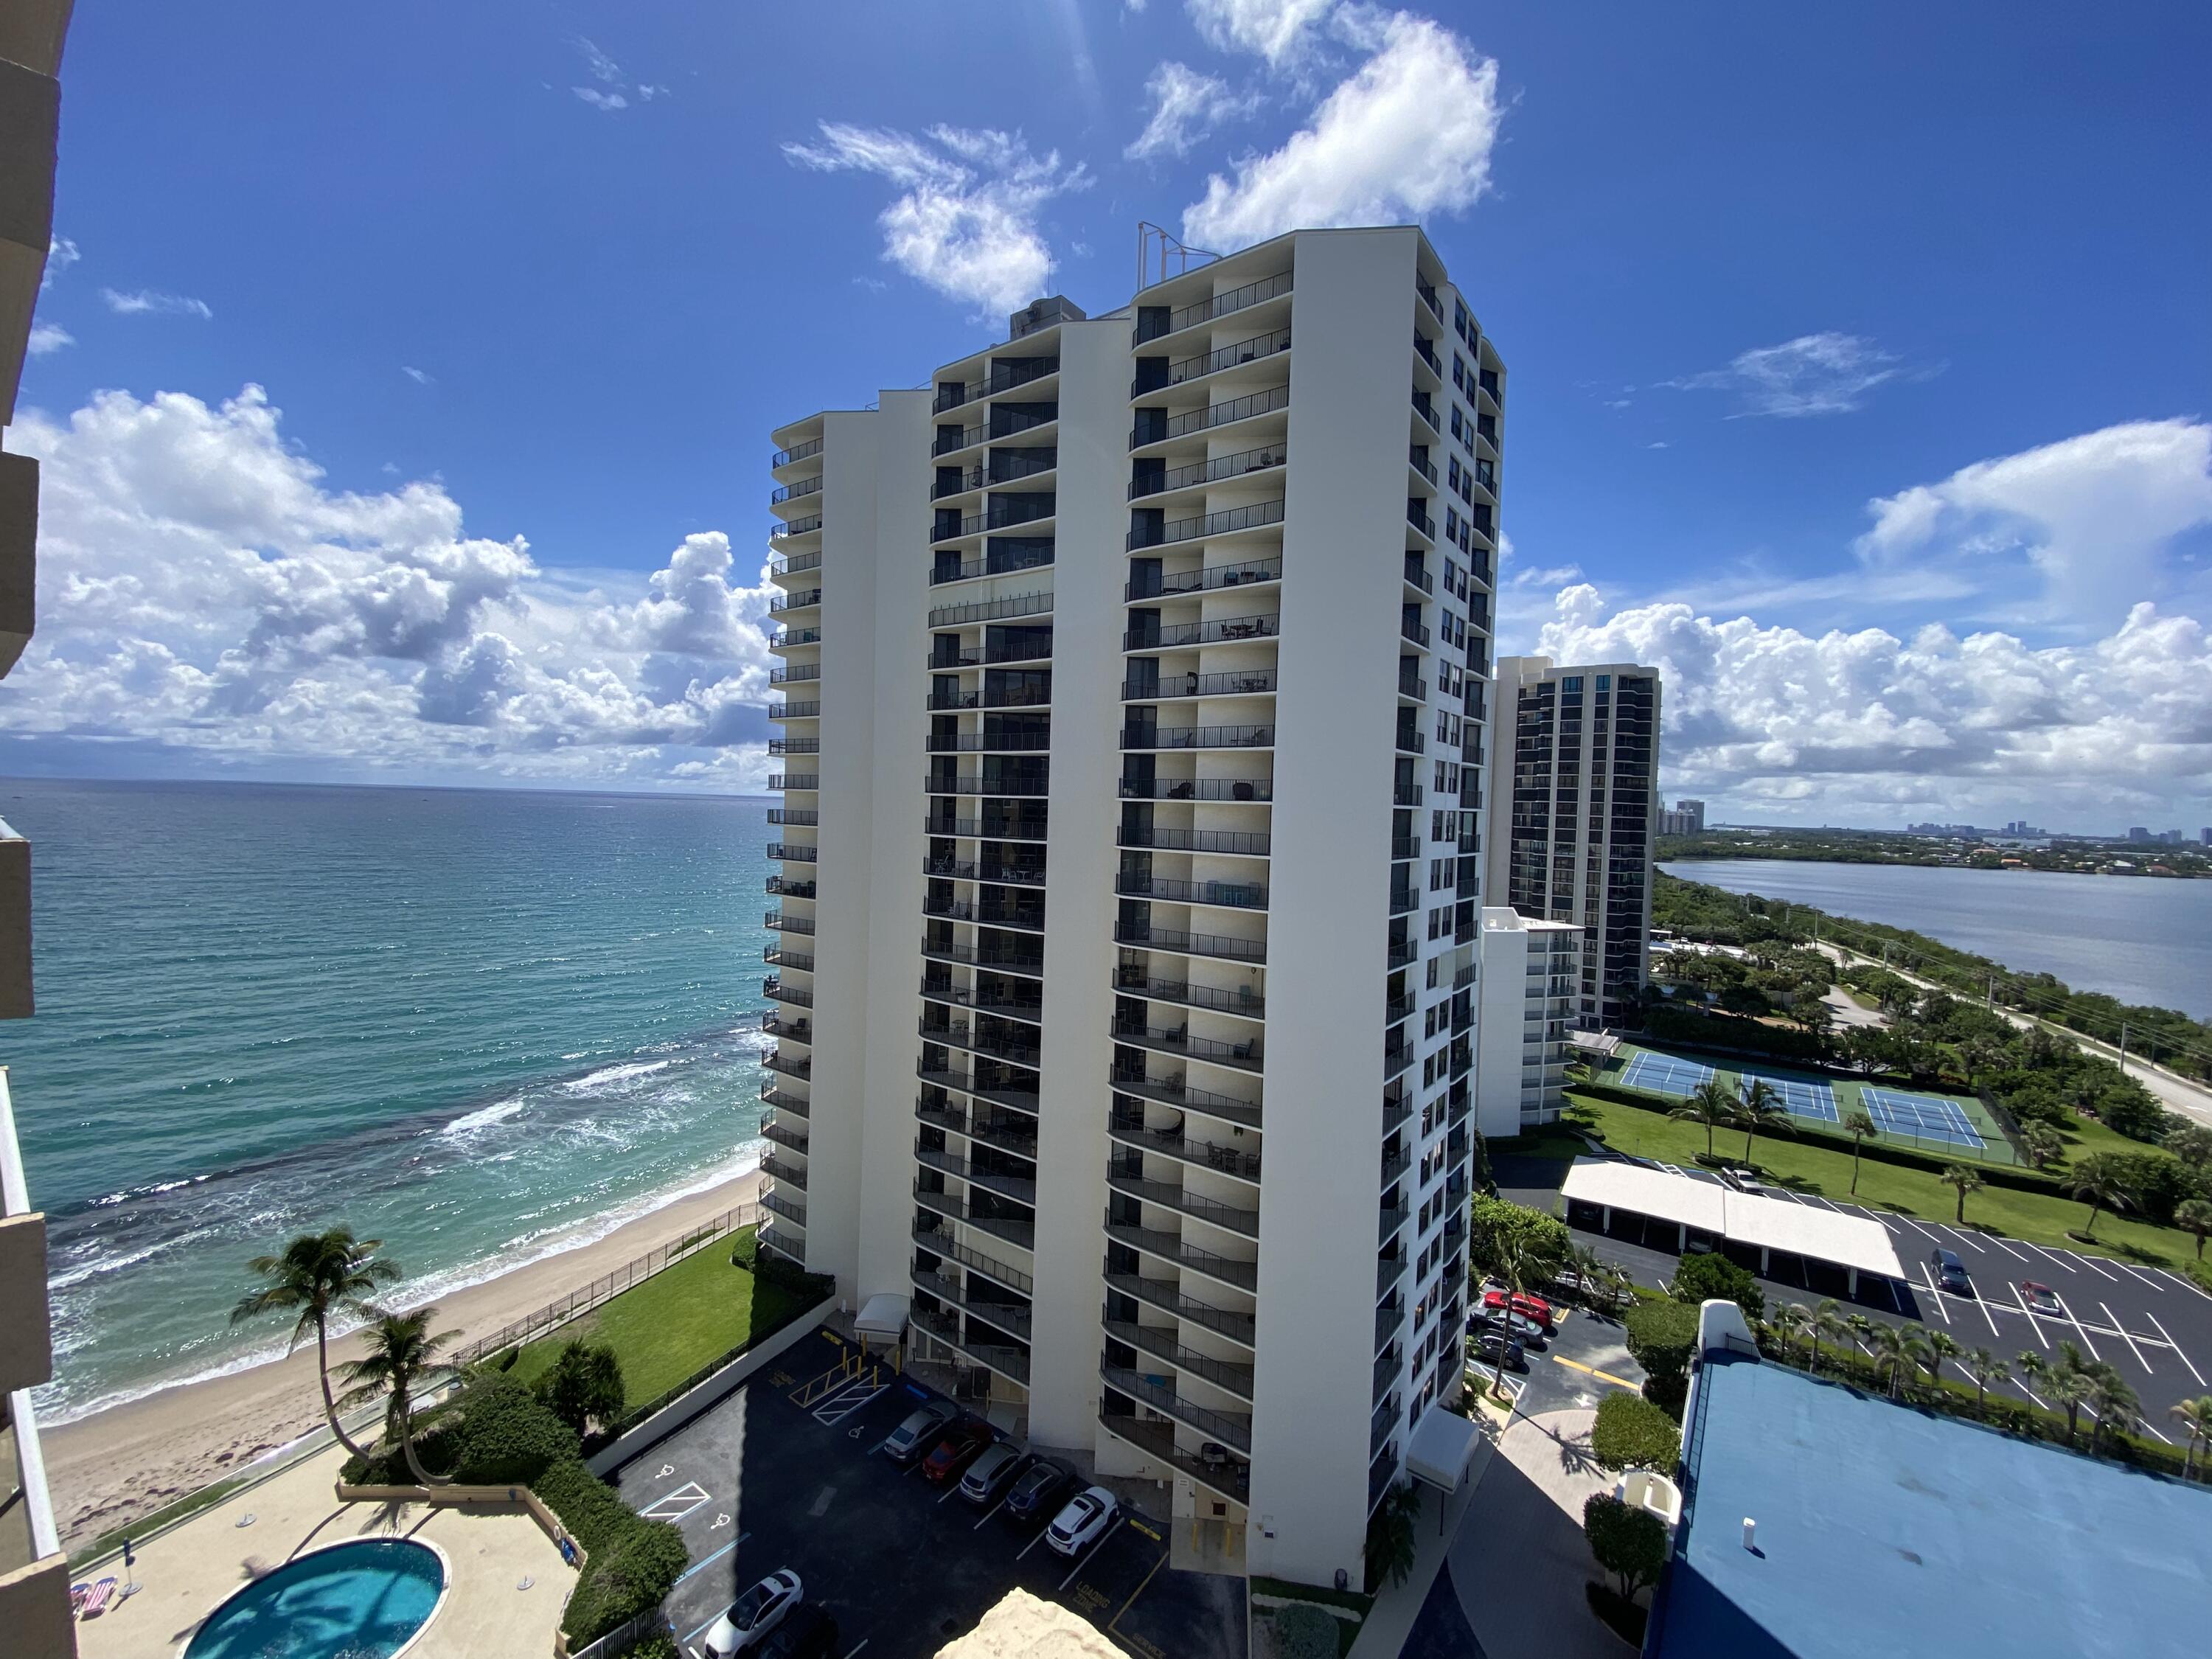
(1704, 1211)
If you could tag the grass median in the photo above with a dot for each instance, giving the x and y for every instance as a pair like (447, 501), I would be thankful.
(2036, 1218)
(666, 1327)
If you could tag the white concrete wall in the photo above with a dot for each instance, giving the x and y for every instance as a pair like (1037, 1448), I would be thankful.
(1343, 548)
(1087, 575)
(1501, 991)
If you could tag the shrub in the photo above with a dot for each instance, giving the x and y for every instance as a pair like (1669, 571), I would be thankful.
(1662, 1336)
(657, 1647)
(508, 1437)
(746, 1252)
(632, 1563)
(1702, 1277)
(1632, 1434)
(1669, 1394)
(584, 1385)
(1631, 1544)
(1304, 1631)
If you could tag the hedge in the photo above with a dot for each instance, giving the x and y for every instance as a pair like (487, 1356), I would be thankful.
(1304, 1631)
(1661, 1337)
(1632, 1434)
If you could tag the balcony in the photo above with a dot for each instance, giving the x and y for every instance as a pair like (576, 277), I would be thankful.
(1245, 1055)
(776, 921)
(1186, 370)
(1379, 1426)
(1205, 311)
(1220, 631)
(1170, 1247)
(1414, 686)
(1242, 464)
(1010, 1317)
(1429, 298)
(1017, 788)
(1145, 935)
(1006, 875)
(795, 673)
(789, 1208)
(1243, 1000)
(784, 1101)
(1254, 516)
(795, 491)
(801, 1067)
(1247, 843)
(1025, 1008)
(805, 452)
(778, 955)
(783, 602)
(1228, 895)
(1170, 1195)
(987, 743)
(1246, 408)
(783, 1135)
(998, 563)
(1239, 683)
(999, 960)
(1166, 1295)
(999, 514)
(1174, 1092)
(1217, 1472)
(785, 639)
(782, 1173)
(791, 852)
(1005, 422)
(1021, 1189)
(999, 1093)
(1411, 628)
(1199, 737)
(797, 563)
(957, 1034)
(1022, 1233)
(1199, 1154)
(1244, 789)
(938, 1242)
(1390, 1219)
(1162, 1344)
(1427, 411)
(794, 711)
(1231, 1429)
(777, 1024)
(1003, 1358)
(1389, 1271)
(1007, 1132)
(1389, 1319)
(774, 988)
(1420, 520)
(1021, 605)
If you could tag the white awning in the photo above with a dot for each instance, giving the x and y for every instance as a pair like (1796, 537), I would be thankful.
(1643, 1190)
(1439, 1454)
(884, 1317)
(1808, 1229)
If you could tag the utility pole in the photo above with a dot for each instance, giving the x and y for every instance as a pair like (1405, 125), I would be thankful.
(2124, 1048)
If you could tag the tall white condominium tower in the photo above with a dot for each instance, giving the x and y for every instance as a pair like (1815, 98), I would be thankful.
(35, 1620)
(1131, 681)
(1575, 761)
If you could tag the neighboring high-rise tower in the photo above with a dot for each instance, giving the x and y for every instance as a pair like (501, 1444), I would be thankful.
(1574, 770)
(35, 1601)
(1133, 688)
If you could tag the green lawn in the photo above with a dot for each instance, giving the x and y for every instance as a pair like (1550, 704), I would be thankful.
(682, 1319)
(1808, 1168)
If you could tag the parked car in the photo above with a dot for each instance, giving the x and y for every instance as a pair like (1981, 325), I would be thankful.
(1950, 1272)
(919, 1433)
(990, 1475)
(808, 1633)
(1037, 1490)
(1529, 1307)
(1511, 1324)
(959, 1446)
(1498, 1348)
(2040, 1299)
(1083, 1522)
(754, 1614)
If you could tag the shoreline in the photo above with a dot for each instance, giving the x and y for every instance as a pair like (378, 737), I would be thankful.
(109, 1467)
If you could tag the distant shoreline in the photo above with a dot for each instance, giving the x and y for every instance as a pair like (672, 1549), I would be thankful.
(1783, 855)
(387, 788)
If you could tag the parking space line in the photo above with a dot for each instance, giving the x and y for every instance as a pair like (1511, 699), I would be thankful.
(2033, 1245)
(708, 1560)
(2030, 1392)
(2076, 1321)
(1916, 1227)
(2153, 1428)
(1982, 1302)
(2177, 1347)
(865, 1640)
(2091, 1266)
(1159, 1562)
(1968, 1238)
(1937, 1295)
(2002, 1245)
(2125, 1338)
(1603, 1376)
(993, 1510)
(2129, 1267)
(2034, 1324)
(1033, 1542)
(2187, 1283)
(1097, 1544)
(950, 1488)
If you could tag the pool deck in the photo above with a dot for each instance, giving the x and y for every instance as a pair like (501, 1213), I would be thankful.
(490, 1549)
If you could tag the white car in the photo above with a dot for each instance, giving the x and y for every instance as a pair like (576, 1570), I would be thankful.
(1083, 1522)
(754, 1614)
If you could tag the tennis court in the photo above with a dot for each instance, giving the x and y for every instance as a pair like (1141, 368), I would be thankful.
(1930, 1117)
(1664, 1074)
(1800, 1097)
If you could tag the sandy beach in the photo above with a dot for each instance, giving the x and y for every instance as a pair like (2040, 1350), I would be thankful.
(107, 1469)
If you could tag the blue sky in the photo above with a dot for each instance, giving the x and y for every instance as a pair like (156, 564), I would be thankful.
(1824, 331)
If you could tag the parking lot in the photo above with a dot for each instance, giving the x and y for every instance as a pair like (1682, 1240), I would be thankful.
(2154, 1325)
(762, 1482)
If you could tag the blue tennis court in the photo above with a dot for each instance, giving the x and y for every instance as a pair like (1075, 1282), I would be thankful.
(1931, 1117)
(1801, 1097)
(1664, 1074)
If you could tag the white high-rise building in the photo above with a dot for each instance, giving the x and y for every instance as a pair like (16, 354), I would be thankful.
(1574, 758)
(1528, 989)
(1132, 682)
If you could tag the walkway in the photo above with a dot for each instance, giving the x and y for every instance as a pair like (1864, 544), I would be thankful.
(490, 1550)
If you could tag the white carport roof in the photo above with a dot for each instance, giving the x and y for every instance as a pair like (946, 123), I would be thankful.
(884, 1316)
(1438, 1453)
(1774, 1224)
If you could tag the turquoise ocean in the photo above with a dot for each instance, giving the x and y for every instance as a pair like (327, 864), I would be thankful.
(477, 1024)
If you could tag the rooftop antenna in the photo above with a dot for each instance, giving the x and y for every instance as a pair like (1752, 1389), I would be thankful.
(1149, 236)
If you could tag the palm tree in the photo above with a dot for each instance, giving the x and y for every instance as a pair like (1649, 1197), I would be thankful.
(2099, 1180)
(1941, 1347)
(2042, 1143)
(1791, 1319)
(1828, 1326)
(400, 1356)
(1895, 1351)
(1862, 1330)
(2069, 1381)
(1985, 1368)
(2194, 1215)
(2034, 1368)
(1509, 1263)
(1965, 1181)
(1761, 1108)
(2195, 1416)
(318, 1275)
(2115, 1404)
(1711, 1105)
(1392, 1549)
(1861, 1128)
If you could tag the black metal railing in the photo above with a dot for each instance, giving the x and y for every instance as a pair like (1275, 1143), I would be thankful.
(1145, 935)
(1165, 1295)
(1212, 471)
(1233, 1379)
(1242, 1000)
(1251, 842)
(1174, 1092)
(802, 452)
(1231, 1430)
(1221, 305)
(794, 491)
(1197, 737)
(1213, 362)
(1246, 789)
(1205, 420)
(1022, 605)
(1238, 895)
(1205, 1153)
(1215, 631)
(1170, 1247)
(1253, 515)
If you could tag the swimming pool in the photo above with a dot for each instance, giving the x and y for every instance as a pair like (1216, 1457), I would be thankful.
(362, 1600)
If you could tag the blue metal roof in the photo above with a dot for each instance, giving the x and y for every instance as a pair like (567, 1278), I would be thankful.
(1884, 1529)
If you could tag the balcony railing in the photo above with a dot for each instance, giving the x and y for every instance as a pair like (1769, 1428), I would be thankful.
(1231, 1429)
(1241, 683)
(998, 1356)
(784, 1135)
(804, 451)
(1232, 1379)
(775, 990)
(1015, 697)
(1234, 894)
(1427, 411)
(783, 1100)
(796, 671)
(1022, 1233)
(1024, 1008)
(1002, 563)
(1252, 516)
(783, 1173)
(1005, 422)
(1020, 1189)
(1205, 420)
(794, 711)
(1221, 305)
(999, 961)
(789, 1208)
(1174, 1092)
(1238, 465)
(989, 829)
(1170, 1247)
(1001, 1094)
(1022, 605)
(1217, 630)
(1007, 1132)
(938, 1242)
(805, 890)
(959, 1034)
(799, 780)
(1247, 1053)
(1148, 936)
(793, 491)
(1244, 789)
(797, 562)
(1213, 362)
(991, 743)
(777, 956)
(1008, 1316)
(794, 1066)
(1165, 1295)
(1197, 737)
(1242, 573)
(795, 818)
(1206, 1154)
(791, 852)
(1243, 1000)
(1420, 520)
(1389, 1271)
(1011, 788)
(1012, 875)
(783, 602)
(1253, 843)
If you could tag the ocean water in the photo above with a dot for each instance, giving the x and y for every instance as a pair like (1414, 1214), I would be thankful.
(2139, 939)
(474, 1025)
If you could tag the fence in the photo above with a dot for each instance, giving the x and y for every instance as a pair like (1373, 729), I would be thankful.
(624, 1637)
(609, 1285)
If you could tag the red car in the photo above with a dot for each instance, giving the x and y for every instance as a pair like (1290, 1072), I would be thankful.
(962, 1444)
(1529, 1307)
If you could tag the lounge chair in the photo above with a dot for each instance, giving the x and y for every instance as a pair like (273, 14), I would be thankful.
(96, 1603)
(78, 1593)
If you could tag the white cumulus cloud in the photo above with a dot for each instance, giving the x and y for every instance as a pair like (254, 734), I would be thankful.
(46, 338)
(203, 589)
(1280, 31)
(1187, 105)
(1824, 374)
(1409, 133)
(148, 302)
(966, 221)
